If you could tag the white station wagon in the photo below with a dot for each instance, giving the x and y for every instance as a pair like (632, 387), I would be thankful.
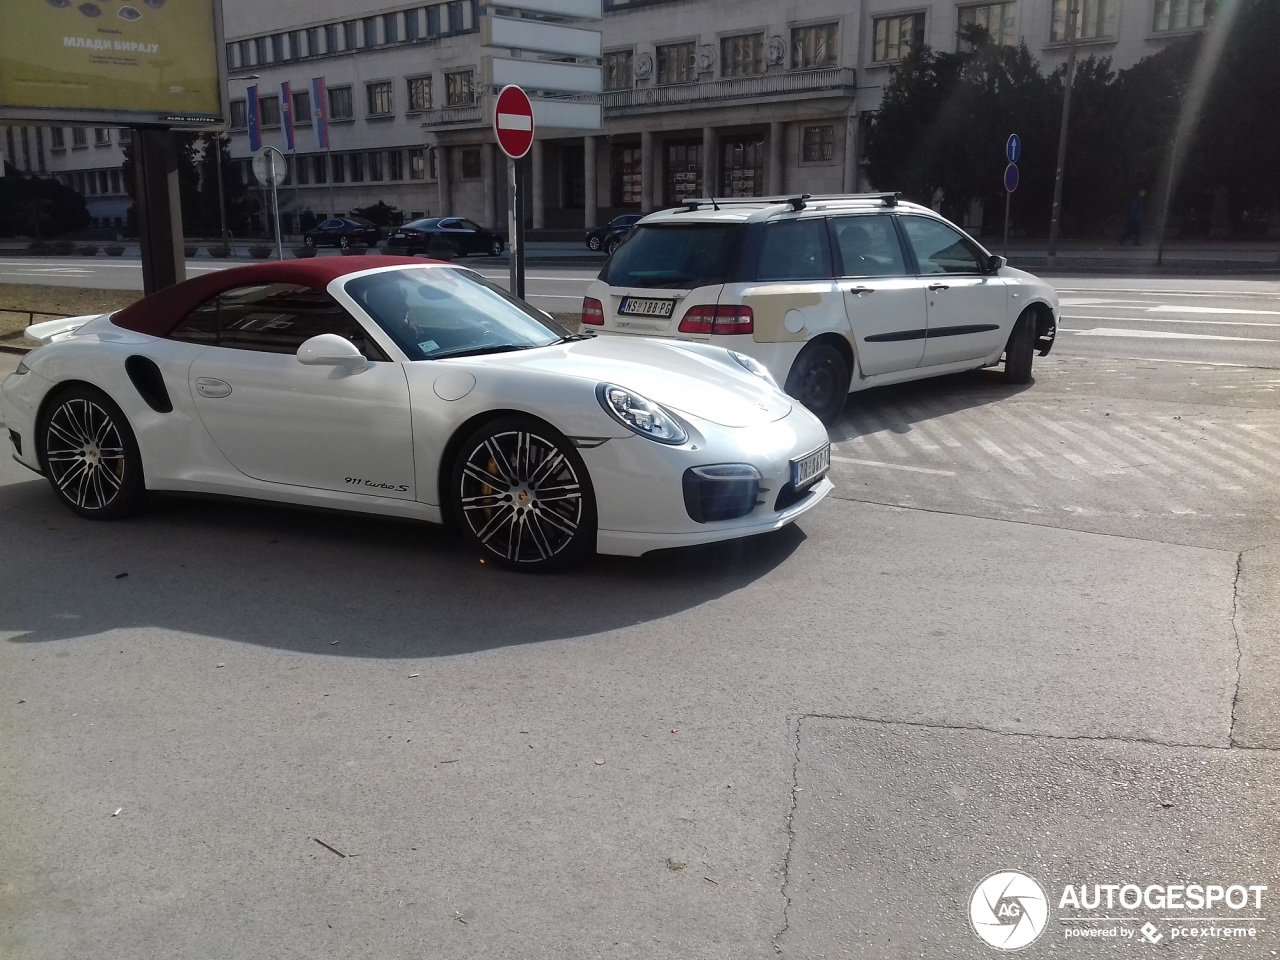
(830, 294)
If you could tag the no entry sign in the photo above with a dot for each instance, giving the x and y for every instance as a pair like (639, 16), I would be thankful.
(513, 122)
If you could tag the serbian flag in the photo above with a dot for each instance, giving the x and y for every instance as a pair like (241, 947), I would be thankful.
(251, 114)
(286, 114)
(320, 111)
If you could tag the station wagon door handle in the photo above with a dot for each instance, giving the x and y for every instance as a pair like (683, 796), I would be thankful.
(861, 290)
(938, 286)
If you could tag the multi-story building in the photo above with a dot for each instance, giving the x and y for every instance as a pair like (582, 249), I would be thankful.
(700, 97)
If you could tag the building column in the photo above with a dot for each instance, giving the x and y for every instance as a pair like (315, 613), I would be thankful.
(850, 177)
(590, 199)
(646, 172)
(536, 188)
(491, 185)
(443, 182)
(777, 154)
(710, 169)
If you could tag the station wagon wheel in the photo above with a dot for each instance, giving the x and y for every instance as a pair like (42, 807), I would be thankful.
(521, 494)
(89, 454)
(819, 379)
(1020, 350)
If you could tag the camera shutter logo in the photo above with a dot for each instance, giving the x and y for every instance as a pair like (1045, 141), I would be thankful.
(1008, 910)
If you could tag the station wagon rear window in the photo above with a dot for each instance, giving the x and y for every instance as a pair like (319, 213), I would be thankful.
(674, 256)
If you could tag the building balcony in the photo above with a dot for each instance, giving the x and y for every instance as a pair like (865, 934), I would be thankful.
(772, 86)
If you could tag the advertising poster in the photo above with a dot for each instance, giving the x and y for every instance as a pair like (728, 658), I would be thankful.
(153, 59)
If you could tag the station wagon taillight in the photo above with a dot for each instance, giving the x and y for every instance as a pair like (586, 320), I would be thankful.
(725, 318)
(592, 312)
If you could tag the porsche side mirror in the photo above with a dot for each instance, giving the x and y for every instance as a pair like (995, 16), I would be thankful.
(995, 263)
(331, 350)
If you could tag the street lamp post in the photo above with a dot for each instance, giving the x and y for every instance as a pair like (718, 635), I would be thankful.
(1073, 12)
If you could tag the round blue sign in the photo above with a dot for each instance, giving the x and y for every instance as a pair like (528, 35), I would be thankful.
(1013, 148)
(1011, 177)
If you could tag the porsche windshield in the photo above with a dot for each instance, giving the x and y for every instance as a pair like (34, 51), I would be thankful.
(436, 312)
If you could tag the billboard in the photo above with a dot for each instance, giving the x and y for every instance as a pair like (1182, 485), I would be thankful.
(112, 62)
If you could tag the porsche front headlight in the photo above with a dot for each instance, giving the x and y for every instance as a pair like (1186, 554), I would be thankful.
(640, 414)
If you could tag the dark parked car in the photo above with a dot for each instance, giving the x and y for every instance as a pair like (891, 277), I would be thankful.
(608, 237)
(444, 236)
(342, 232)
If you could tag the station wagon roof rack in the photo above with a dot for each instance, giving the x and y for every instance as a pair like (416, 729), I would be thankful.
(796, 202)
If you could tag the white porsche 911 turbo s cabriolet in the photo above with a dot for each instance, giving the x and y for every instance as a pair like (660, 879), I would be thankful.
(412, 389)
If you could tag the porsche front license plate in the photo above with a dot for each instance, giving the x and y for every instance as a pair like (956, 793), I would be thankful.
(642, 307)
(808, 470)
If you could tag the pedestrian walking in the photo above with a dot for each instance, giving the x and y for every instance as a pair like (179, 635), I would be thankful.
(1133, 222)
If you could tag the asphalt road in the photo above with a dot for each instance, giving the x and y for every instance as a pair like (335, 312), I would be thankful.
(1033, 629)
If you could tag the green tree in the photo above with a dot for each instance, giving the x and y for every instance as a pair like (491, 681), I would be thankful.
(198, 185)
(38, 206)
(380, 214)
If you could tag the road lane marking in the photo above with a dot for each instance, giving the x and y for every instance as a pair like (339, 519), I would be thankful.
(1174, 308)
(1163, 335)
(1201, 323)
(895, 466)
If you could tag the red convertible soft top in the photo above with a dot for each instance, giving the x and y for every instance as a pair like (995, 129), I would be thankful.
(159, 313)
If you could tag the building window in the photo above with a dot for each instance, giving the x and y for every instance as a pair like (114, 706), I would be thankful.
(998, 19)
(115, 182)
(239, 115)
(618, 69)
(1097, 18)
(677, 63)
(1181, 14)
(419, 94)
(339, 168)
(391, 28)
(418, 163)
(269, 111)
(433, 22)
(101, 136)
(78, 137)
(412, 24)
(818, 143)
(331, 38)
(460, 88)
(369, 32)
(627, 177)
(58, 138)
(350, 33)
(233, 56)
(895, 37)
(313, 42)
(375, 166)
(259, 50)
(340, 106)
(469, 158)
(457, 16)
(742, 56)
(302, 108)
(395, 165)
(742, 167)
(277, 47)
(302, 171)
(355, 163)
(813, 46)
(318, 172)
(683, 172)
(296, 49)
(379, 98)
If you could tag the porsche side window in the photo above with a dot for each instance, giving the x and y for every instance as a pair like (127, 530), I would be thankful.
(868, 246)
(271, 318)
(939, 248)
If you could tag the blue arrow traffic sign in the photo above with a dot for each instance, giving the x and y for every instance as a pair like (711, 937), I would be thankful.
(1013, 148)
(1011, 177)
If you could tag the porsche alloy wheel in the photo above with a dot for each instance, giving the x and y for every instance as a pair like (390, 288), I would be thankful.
(522, 495)
(90, 456)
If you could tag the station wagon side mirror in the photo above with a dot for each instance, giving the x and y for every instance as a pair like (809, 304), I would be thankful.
(996, 263)
(331, 350)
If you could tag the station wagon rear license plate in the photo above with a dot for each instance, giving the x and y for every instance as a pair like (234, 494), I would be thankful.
(808, 470)
(645, 307)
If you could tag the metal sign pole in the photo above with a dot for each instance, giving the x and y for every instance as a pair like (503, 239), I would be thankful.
(1007, 197)
(515, 232)
(274, 177)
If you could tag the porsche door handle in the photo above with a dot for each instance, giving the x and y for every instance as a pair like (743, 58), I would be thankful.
(938, 286)
(212, 388)
(859, 291)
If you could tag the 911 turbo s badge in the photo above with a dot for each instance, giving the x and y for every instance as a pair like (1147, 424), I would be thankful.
(361, 482)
